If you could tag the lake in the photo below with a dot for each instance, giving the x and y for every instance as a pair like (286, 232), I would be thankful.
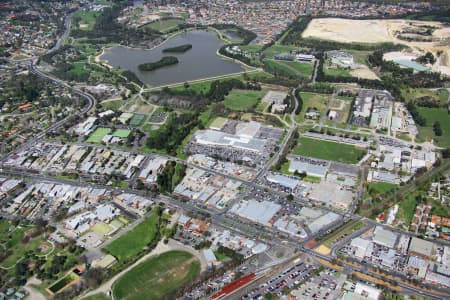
(199, 62)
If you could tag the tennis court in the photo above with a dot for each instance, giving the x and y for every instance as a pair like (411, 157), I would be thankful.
(137, 120)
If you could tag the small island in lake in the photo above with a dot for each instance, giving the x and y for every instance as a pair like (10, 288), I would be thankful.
(165, 61)
(178, 49)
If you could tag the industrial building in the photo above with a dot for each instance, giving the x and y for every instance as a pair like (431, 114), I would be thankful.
(259, 212)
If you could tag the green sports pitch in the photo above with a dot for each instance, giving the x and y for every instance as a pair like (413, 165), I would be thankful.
(137, 120)
(121, 133)
(98, 134)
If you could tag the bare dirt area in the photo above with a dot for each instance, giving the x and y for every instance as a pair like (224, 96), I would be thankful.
(378, 31)
(364, 72)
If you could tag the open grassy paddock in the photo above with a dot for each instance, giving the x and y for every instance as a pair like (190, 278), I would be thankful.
(312, 100)
(98, 134)
(328, 150)
(85, 20)
(291, 68)
(165, 25)
(433, 115)
(113, 105)
(243, 100)
(279, 49)
(440, 95)
(337, 72)
(131, 243)
(157, 277)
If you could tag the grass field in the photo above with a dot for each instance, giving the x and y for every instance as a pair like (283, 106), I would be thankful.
(98, 134)
(336, 72)
(328, 150)
(381, 187)
(113, 105)
(408, 207)
(359, 56)
(137, 120)
(290, 68)
(278, 49)
(101, 228)
(242, 100)
(78, 68)
(312, 100)
(218, 122)
(131, 243)
(203, 86)
(432, 115)
(86, 19)
(121, 133)
(440, 95)
(157, 277)
(164, 25)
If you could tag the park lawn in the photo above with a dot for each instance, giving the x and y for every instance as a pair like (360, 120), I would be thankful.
(432, 115)
(242, 100)
(411, 94)
(98, 134)
(86, 19)
(164, 25)
(312, 100)
(328, 150)
(121, 133)
(19, 248)
(158, 277)
(382, 187)
(130, 244)
(204, 85)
